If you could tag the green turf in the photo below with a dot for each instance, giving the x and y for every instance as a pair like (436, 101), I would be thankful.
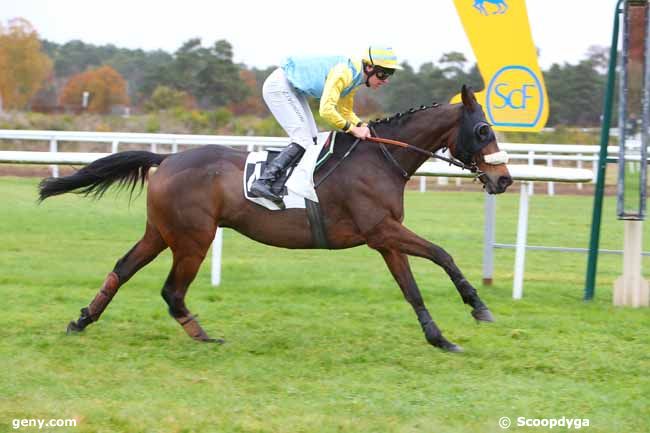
(327, 344)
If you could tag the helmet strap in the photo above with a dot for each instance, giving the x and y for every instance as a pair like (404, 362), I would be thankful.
(369, 74)
(372, 65)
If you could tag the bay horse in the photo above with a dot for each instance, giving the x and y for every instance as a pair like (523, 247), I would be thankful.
(193, 192)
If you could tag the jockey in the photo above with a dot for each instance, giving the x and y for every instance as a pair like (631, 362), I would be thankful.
(334, 80)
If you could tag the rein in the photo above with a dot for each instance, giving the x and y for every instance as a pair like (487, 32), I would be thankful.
(473, 168)
(373, 138)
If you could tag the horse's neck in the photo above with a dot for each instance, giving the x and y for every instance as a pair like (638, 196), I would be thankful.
(428, 130)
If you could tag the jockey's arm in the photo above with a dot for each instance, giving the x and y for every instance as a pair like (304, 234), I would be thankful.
(331, 101)
(346, 108)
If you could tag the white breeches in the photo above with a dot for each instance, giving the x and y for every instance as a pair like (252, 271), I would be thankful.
(290, 109)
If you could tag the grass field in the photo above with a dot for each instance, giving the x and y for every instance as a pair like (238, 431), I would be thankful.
(325, 345)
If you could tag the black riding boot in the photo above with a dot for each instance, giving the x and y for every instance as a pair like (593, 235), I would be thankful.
(262, 187)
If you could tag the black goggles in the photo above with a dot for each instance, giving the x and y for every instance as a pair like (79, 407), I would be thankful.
(382, 73)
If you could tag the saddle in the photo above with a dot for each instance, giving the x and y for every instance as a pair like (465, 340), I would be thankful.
(296, 184)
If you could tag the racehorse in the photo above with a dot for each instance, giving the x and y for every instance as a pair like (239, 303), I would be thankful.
(193, 192)
(501, 4)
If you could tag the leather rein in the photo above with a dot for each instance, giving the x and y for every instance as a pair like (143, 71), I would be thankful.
(473, 168)
(389, 156)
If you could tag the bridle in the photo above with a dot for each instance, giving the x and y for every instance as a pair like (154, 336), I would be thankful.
(466, 163)
(473, 135)
(471, 166)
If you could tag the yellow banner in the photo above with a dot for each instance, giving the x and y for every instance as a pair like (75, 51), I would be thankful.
(515, 96)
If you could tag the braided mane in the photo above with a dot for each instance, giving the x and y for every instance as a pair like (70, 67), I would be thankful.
(404, 115)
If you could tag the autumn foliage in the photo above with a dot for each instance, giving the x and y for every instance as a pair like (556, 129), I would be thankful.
(251, 104)
(23, 66)
(105, 87)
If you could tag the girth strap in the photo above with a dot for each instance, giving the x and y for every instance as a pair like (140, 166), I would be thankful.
(316, 224)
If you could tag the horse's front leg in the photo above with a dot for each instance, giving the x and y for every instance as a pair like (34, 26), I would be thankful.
(399, 267)
(395, 236)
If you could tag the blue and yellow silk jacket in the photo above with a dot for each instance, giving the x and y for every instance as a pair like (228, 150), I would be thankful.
(332, 79)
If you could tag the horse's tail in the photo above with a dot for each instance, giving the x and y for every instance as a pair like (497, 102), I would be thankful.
(125, 168)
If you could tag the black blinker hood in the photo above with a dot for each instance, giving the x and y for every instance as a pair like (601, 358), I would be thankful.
(469, 142)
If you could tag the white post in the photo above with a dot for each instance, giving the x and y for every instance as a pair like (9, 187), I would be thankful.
(551, 185)
(594, 168)
(631, 289)
(531, 162)
(115, 146)
(54, 147)
(217, 246)
(520, 254)
(489, 237)
(442, 180)
(579, 165)
(154, 147)
(174, 146)
(423, 184)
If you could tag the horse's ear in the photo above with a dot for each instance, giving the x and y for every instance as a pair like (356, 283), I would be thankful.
(467, 95)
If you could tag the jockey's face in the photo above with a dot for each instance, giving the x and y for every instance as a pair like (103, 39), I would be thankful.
(378, 79)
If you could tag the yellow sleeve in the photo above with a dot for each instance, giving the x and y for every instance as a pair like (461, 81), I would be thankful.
(339, 77)
(346, 106)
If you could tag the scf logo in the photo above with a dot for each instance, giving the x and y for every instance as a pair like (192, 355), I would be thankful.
(514, 97)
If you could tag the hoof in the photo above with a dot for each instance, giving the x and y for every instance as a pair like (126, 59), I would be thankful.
(73, 328)
(211, 340)
(482, 315)
(446, 345)
(452, 348)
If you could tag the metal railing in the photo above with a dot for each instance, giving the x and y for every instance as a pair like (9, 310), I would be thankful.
(531, 154)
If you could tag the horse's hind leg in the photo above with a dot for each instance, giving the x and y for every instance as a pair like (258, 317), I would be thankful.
(140, 255)
(188, 256)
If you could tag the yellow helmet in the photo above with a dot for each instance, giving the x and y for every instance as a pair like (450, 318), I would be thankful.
(381, 56)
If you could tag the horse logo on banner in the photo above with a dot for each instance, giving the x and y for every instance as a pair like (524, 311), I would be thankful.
(500, 4)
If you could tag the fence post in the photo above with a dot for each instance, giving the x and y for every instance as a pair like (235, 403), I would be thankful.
(489, 238)
(579, 165)
(54, 147)
(522, 233)
(217, 246)
(550, 185)
(531, 161)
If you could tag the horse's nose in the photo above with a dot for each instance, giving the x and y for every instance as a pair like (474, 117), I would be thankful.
(504, 182)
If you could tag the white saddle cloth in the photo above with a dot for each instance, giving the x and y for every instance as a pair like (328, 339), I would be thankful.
(300, 185)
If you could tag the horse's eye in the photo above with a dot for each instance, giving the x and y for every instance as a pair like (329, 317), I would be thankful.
(483, 132)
